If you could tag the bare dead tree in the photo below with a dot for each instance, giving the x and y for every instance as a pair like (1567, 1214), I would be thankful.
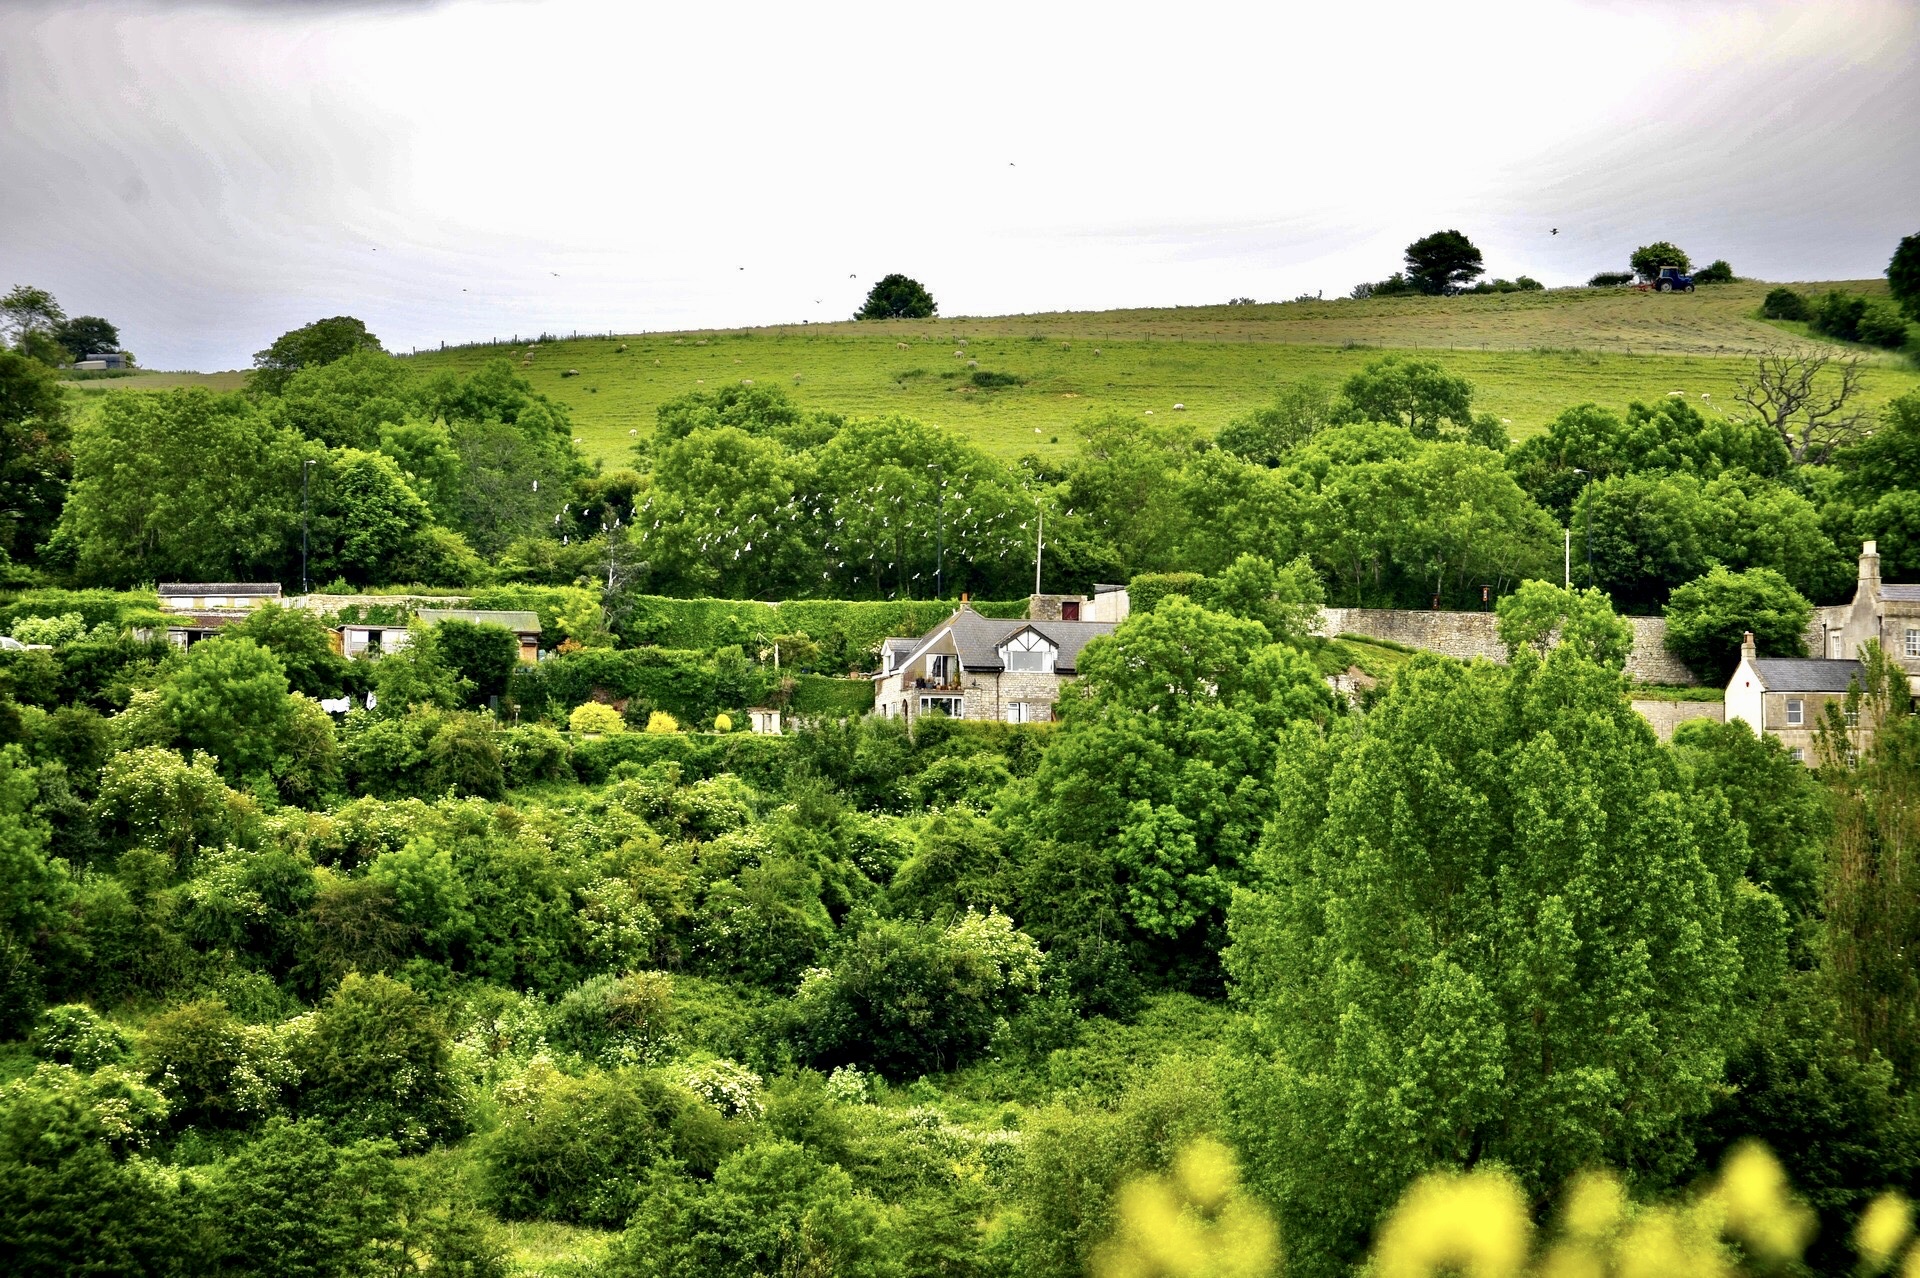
(1807, 398)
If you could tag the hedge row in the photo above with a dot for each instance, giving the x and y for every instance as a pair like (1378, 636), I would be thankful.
(707, 624)
(99, 607)
(821, 696)
(690, 686)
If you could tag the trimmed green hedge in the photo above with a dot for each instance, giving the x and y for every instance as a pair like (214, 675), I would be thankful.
(759, 761)
(828, 698)
(99, 607)
(691, 686)
(848, 632)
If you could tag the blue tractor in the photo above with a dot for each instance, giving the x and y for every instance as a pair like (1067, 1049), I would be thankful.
(1673, 280)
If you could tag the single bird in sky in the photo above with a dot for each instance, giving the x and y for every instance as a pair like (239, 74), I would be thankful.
(1556, 230)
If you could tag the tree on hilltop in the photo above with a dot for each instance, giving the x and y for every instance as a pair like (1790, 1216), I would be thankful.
(85, 335)
(1442, 263)
(320, 342)
(898, 297)
(1649, 258)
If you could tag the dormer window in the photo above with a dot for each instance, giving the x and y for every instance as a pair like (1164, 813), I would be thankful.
(1028, 652)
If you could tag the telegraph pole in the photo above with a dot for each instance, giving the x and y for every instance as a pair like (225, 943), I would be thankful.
(306, 490)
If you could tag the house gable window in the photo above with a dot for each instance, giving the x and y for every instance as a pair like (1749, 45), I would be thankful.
(1796, 712)
(1028, 653)
(940, 667)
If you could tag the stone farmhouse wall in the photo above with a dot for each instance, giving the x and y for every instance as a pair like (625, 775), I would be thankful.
(1467, 635)
(1665, 716)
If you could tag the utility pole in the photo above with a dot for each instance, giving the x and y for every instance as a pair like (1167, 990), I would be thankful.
(306, 490)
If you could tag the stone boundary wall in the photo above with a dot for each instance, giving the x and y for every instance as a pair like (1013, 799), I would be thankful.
(1665, 716)
(334, 603)
(1467, 635)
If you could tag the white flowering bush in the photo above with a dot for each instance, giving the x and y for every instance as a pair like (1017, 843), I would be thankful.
(53, 631)
(849, 1086)
(733, 1089)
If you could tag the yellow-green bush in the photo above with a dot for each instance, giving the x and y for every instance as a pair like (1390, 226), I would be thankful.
(596, 717)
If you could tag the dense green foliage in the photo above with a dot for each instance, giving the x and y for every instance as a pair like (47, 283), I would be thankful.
(898, 297)
(555, 947)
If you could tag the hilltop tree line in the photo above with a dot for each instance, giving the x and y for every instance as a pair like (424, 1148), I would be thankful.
(33, 324)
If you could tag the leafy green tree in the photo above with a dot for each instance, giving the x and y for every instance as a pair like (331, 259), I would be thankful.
(1125, 484)
(1903, 276)
(214, 1071)
(1644, 535)
(1285, 600)
(1717, 271)
(1707, 617)
(1873, 498)
(183, 485)
(1534, 615)
(229, 698)
(373, 515)
(1417, 394)
(1265, 435)
(1160, 772)
(152, 798)
(772, 1208)
(25, 310)
(318, 343)
(757, 410)
(375, 1061)
(36, 453)
(897, 297)
(302, 644)
(482, 655)
(909, 998)
(74, 1195)
(1780, 804)
(1442, 263)
(34, 892)
(347, 402)
(959, 863)
(580, 1149)
(512, 477)
(1649, 258)
(85, 335)
(1490, 924)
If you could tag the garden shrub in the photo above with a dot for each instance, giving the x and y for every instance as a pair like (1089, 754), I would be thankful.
(1784, 304)
(595, 717)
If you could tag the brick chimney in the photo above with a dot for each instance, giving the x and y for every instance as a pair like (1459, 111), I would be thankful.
(1749, 650)
(1870, 567)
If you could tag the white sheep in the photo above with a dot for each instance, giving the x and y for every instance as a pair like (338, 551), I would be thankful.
(1179, 408)
(746, 381)
(900, 346)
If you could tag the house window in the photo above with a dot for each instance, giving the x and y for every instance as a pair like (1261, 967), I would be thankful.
(949, 706)
(1797, 754)
(1031, 660)
(1853, 717)
(1836, 644)
(1796, 712)
(1913, 642)
(1028, 652)
(1027, 712)
(939, 667)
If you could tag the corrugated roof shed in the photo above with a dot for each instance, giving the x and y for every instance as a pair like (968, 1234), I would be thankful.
(518, 622)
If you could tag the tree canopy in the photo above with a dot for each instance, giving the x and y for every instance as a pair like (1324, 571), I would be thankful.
(309, 346)
(1443, 262)
(897, 297)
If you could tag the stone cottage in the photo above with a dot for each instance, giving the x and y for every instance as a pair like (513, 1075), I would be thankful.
(1880, 610)
(1787, 696)
(975, 667)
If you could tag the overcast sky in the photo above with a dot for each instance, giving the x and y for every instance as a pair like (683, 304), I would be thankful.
(210, 175)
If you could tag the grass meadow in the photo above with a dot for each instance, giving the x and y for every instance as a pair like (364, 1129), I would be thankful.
(1529, 355)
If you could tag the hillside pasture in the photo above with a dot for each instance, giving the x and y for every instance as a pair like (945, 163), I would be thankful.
(1529, 356)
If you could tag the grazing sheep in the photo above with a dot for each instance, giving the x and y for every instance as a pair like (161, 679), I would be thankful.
(900, 346)
(973, 363)
(1096, 350)
(1179, 408)
(746, 381)
(571, 372)
(1149, 412)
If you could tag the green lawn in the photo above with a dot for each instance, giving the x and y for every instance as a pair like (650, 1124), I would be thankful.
(1529, 355)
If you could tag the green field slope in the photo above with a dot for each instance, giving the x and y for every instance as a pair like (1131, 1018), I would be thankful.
(1529, 355)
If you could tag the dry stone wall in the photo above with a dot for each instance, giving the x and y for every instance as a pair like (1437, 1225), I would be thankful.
(1467, 635)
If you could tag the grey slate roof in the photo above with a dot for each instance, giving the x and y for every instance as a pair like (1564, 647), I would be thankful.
(1901, 594)
(178, 588)
(1805, 674)
(977, 639)
(518, 622)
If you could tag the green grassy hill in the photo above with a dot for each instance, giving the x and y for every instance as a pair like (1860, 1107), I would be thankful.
(1528, 354)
